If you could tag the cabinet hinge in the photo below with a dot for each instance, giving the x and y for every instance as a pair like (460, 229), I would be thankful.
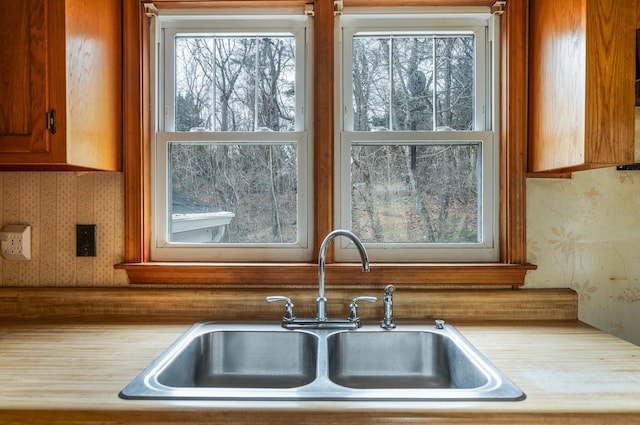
(51, 121)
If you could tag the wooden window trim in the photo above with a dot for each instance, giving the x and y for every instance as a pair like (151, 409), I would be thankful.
(512, 265)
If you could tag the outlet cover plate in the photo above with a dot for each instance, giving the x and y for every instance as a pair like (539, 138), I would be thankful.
(86, 235)
(16, 242)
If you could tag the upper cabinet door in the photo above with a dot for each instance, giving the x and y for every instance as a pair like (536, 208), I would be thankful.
(23, 77)
(60, 85)
(581, 84)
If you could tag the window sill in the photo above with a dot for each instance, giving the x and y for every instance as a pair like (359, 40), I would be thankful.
(288, 275)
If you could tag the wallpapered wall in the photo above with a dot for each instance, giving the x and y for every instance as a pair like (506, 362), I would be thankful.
(583, 233)
(53, 203)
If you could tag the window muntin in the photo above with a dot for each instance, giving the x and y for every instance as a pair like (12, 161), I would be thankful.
(418, 160)
(232, 150)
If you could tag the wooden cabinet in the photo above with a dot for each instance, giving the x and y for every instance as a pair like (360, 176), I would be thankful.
(581, 84)
(62, 58)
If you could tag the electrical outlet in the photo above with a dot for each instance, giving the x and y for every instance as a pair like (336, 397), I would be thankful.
(16, 242)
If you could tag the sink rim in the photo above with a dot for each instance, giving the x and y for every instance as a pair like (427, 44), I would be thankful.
(146, 385)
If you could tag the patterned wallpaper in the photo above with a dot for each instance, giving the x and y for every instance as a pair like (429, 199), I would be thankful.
(583, 233)
(53, 203)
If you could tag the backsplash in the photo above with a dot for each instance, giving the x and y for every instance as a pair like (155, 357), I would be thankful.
(584, 233)
(53, 203)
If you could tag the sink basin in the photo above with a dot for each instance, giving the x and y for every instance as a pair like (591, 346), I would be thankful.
(232, 358)
(244, 361)
(401, 360)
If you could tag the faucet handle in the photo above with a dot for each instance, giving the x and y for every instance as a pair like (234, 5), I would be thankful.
(289, 315)
(353, 307)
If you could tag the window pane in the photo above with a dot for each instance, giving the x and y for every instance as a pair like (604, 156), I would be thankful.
(427, 193)
(411, 83)
(412, 96)
(454, 83)
(235, 83)
(371, 83)
(233, 193)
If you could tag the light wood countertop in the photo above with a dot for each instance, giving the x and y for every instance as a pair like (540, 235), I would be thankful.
(70, 371)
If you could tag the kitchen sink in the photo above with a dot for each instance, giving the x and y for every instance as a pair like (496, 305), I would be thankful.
(401, 359)
(236, 359)
(245, 361)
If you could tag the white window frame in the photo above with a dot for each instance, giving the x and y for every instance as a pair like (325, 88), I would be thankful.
(481, 23)
(228, 22)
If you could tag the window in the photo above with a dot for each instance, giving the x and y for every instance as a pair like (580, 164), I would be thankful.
(509, 269)
(418, 157)
(231, 145)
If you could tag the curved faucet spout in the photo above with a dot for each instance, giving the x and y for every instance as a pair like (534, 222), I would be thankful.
(321, 301)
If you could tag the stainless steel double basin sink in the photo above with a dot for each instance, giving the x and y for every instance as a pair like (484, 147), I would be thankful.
(215, 361)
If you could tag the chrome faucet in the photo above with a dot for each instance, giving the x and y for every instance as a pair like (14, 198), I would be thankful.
(321, 301)
(290, 321)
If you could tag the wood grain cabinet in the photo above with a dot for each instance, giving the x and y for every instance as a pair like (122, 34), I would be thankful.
(60, 85)
(581, 84)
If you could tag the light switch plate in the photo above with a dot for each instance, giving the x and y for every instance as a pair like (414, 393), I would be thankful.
(86, 240)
